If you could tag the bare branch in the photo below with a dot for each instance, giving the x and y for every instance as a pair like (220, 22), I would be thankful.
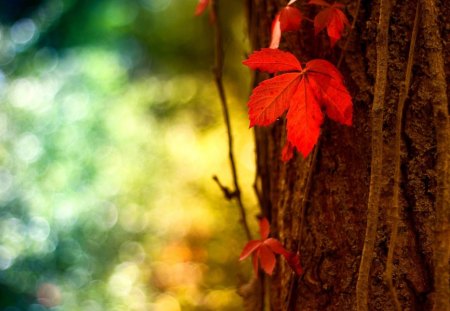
(218, 73)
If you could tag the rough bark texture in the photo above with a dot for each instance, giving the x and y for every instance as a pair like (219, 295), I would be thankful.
(336, 213)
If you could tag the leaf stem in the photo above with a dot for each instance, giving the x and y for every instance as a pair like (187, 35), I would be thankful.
(218, 75)
(362, 285)
(305, 201)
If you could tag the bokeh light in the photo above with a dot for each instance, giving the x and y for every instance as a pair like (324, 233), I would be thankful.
(110, 132)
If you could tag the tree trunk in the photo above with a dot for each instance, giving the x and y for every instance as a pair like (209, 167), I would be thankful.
(330, 232)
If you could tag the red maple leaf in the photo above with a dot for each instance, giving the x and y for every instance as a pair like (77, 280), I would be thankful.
(288, 19)
(331, 17)
(201, 7)
(264, 251)
(303, 92)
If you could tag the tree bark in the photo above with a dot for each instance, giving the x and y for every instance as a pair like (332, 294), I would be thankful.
(335, 218)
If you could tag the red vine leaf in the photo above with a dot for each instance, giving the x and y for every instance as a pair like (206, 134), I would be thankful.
(272, 61)
(288, 19)
(263, 251)
(304, 118)
(267, 259)
(328, 84)
(201, 7)
(303, 93)
(332, 18)
(293, 261)
(270, 99)
(264, 228)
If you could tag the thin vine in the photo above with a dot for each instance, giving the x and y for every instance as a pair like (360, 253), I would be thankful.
(218, 75)
(362, 285)
(305, 200)
(398, 129)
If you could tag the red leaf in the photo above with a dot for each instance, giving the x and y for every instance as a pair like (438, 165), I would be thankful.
(332, 18)
(264, 228)
(264, 251)
(304, 118)
(328, 84)
(293, 261)
(249, 248)
(201, 7)
(272, 61)
(271, 98)
(290, 18)
(275, 246)
(276, 33)
(303, 94)
(267, 259)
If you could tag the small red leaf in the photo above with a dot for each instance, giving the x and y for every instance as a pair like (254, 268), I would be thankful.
(201, 7)
(264, 228)
(290, 18)
(249, 248)
(275, 246)
(293, 261)
(267, 259)
(272, 61)
(264, 251)
(276, 33)
(332, 18)
(304, 118)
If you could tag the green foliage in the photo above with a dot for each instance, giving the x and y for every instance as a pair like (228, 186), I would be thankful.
(110, 131)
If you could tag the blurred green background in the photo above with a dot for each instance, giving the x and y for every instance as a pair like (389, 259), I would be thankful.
(110, 131)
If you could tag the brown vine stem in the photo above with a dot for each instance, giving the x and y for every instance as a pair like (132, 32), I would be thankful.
(305, 200)
(362, 285)
(344, 49)
(218, 74)
(436, 67)
(398, 128)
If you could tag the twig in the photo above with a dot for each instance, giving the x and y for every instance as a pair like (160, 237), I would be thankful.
(256, 190)
(398, 128)
(227, 193)
(305, 200)
(362, 285)
(218, 73)
(344, 49)
(439, 99)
